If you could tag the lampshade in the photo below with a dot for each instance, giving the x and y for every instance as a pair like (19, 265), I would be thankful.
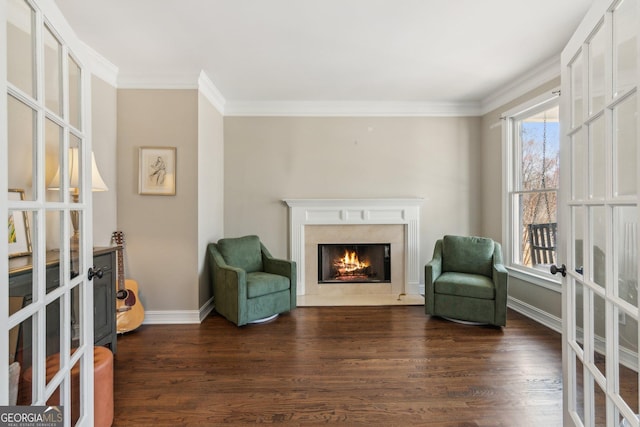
(97, 183)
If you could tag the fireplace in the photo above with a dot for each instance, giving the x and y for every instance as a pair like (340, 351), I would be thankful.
(354, 263)
(353, 221)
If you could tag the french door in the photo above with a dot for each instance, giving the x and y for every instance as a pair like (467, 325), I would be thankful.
(599, 216)
(45, 150)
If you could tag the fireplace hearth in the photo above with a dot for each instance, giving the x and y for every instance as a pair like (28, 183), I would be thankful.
(354, 263)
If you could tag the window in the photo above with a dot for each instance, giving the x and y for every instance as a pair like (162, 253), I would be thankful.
(531, 139)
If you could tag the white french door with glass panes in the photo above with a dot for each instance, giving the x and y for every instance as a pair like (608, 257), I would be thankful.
(44, 117)
(599, 215)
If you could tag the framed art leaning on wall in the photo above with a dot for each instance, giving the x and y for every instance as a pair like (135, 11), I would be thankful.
(19, 234)
(157, 171)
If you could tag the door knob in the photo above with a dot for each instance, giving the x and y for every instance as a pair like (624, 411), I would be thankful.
(562, 270)
(94, 273)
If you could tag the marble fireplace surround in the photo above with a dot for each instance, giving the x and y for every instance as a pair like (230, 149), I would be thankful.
(306, 214)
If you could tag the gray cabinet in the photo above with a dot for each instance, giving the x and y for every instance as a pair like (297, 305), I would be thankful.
(104, 299)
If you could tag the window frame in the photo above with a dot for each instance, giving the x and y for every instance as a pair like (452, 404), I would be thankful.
(511, 167)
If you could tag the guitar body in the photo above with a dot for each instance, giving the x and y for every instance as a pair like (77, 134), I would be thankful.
(129, 316)
(129, 310)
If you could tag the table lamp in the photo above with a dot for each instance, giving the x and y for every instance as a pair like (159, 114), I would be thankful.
(97, 184)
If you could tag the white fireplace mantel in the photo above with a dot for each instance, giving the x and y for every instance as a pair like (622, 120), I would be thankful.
(303, 212)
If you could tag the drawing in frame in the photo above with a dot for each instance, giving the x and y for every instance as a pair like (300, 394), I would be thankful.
(19, 234)
(157, 171)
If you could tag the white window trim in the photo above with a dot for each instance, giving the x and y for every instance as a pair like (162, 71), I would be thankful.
(531, 275)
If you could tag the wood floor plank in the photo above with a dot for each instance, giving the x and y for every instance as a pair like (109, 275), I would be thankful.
(374, 366)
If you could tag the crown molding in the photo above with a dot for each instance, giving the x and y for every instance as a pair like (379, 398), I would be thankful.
(537, 76)
(100, 66)
(543, 73)
(211, 92)
(351, 109)
(188, 80)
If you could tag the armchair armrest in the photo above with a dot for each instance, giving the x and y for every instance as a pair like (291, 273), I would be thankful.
(432, 271)
(229, 286)
(281, 267)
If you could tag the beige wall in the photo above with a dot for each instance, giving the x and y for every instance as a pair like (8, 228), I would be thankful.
(210, 188)
(491, 157)
(161, 232)
(268, 159)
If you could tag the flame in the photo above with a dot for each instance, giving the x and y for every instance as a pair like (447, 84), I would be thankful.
(350, 262)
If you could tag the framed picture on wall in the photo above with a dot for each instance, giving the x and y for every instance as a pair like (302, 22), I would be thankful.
(19, 235)
(157, 171)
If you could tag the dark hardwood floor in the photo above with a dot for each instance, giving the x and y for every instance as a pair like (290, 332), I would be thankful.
(373, 366)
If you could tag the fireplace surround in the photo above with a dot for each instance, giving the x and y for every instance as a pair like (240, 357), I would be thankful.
(358, 218)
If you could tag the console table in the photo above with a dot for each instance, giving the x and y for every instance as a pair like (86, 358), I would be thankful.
(104, 299)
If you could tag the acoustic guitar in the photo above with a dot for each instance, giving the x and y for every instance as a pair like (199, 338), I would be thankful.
(129, 310)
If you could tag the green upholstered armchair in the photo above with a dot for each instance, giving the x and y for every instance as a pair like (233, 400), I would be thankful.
(249, 284)
(466, 280)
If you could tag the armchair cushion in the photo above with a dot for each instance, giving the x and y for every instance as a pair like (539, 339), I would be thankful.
(260, 283)
(467, 285)
(242, 252)
(472, 255)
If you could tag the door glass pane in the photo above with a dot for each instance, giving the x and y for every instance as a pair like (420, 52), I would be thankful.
(600, 333)
(625, 141)
(578, 239)
(579, 313)
(21, 231)
(52, 72)
(600, 409)
(20, 46)
(578, 166)
(74, 94)
(24, 356)
(75, 391)
(21, 124)
(75, 167)
(628, 360)
(53, 148)
(20, 237)
(598, 248)
(54, 237)
(596, 71)
(576, 91)
(625, 243)
(625, 23)
(76, 318)
(579, 392)
(53, 338)
(597, 158)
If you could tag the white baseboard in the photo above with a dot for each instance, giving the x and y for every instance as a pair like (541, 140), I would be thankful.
(177, 317)
(534, 313)
(206, 309)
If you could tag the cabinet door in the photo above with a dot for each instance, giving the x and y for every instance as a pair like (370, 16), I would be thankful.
(104, 302)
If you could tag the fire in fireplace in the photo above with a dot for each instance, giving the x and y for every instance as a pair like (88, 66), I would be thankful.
(354, 263)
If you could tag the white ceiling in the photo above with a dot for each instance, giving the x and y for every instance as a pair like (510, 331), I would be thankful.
(388, 51)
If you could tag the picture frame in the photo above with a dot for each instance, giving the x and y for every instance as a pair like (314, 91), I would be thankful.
(18, 222)
(157, 171)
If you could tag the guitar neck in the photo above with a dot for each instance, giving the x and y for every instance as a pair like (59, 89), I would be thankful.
(120, 269)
